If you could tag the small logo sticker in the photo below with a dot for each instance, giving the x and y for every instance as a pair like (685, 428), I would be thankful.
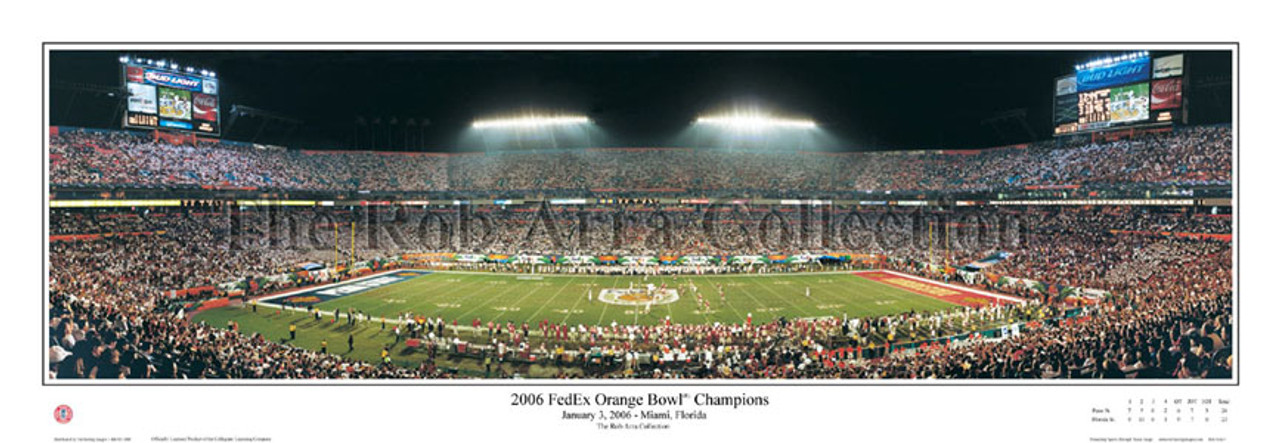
(62, 414)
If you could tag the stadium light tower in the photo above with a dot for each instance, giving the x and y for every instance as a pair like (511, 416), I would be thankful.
(750, 126)
(753, 120)
(756, 122)
(530, 121)
(532, 129)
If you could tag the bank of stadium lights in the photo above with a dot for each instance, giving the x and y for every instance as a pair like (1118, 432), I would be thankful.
(531, 121)
(1113, 60)
(755, 122)
(749, 126)
(166, 64)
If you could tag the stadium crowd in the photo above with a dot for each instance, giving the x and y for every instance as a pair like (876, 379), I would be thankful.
(1197, 155)
(114, 273)
(1169, 315)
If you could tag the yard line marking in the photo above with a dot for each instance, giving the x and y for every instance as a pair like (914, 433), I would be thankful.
(549, 299)
(730, 305)
(454, 290)
(414, 286)
(785, 299)
(569, 313)
(535, 290)
(498, 295)
(468, 285)
(754, 299)
(606, 305)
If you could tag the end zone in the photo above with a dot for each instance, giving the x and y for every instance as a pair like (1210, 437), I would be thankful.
(324, 293)
(942, 291)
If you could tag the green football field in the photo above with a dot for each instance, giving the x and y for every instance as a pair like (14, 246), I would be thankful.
(564, 299)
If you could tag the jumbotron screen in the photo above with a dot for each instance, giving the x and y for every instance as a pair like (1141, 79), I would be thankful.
(1124, 91)
(170, 99)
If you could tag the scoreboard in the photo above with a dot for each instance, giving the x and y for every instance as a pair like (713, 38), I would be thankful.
(163, 97)
(1123, 91)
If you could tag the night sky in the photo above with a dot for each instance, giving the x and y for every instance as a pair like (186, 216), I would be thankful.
(865, 99)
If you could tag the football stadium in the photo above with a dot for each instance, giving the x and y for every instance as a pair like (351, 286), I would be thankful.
(488, 214)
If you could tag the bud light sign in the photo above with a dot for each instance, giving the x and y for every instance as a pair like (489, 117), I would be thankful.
(1121, 73)
(172, 80)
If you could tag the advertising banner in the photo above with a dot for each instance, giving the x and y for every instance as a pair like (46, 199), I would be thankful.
(175, 103)
(1115, 74)
(204, 107)
(1066, 109)
(696, 260)
(173, 124)
(207, 127)
(142, 98)
(804, 258)
(577, 259)
(1168, 66)
(470, 258)
(172, 80)
(639, 260)
(1130, 103)
(1166, 94)
(210, 86)
(134, 74)
(1065, 85)
(989, 260)
(526, 259)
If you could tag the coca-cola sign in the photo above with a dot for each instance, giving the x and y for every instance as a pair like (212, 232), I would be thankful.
(1166, 94)
(204, 107)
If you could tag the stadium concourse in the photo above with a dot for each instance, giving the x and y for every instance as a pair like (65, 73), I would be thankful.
(1109, 290)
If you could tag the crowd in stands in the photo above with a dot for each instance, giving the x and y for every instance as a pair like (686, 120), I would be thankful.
(113, 271)
(125, 159)
(1170, 314)
(1175, 324)
(1199, 155)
